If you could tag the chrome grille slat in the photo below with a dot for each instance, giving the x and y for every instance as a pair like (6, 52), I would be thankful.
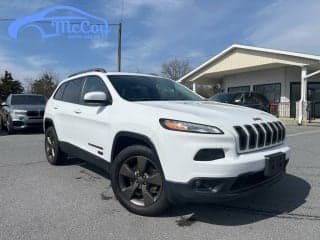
(268, 133)
(261, 134)
(279, 131)
(258, 136)
(274, 133)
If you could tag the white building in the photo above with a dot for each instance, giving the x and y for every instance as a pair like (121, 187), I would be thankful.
(289, 80)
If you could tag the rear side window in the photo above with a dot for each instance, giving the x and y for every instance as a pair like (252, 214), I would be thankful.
(263, 100)
(59, 94)
(72, 91)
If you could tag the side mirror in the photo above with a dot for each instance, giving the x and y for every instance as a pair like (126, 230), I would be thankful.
(96, 97)
(4, 104)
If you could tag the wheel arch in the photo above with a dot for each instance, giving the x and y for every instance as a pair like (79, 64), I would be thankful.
(125, 139)
(48, 122)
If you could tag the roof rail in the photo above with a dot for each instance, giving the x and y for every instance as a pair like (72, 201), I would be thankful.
(102, 70)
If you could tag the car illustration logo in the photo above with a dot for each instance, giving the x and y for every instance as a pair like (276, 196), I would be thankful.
(61, 20)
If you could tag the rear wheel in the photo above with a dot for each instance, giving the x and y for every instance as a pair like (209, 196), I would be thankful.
(138, 182)
(53, 152)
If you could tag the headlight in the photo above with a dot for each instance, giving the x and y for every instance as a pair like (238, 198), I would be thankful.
(181, 126)
(19, 112)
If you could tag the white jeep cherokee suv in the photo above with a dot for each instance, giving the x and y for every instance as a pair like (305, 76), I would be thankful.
(161, 142)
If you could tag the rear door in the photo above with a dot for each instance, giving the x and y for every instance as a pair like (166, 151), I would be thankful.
(67, 113)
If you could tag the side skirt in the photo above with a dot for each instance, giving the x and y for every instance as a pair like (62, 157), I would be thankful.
(84, 155)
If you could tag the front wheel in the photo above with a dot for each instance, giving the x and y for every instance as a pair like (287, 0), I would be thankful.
(138, 182)
(53, 152)
(2, 127)
(9, 126)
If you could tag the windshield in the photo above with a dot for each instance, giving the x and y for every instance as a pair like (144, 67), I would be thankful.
(144, 88)
(28, 100)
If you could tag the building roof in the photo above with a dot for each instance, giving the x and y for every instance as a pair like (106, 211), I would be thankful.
(301, 58)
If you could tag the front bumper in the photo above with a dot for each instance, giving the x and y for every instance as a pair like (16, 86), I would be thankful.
(26, 123)
(220, 189)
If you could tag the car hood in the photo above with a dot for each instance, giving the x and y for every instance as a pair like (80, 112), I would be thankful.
(28, 107)
(209, 112)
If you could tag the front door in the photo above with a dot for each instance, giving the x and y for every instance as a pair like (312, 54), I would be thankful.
(94, 121)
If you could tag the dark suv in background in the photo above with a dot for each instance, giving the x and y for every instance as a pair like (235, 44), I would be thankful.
(22, 111)
(246, 99)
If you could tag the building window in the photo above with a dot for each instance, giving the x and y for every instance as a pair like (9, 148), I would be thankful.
(271, 91)
(239, 89)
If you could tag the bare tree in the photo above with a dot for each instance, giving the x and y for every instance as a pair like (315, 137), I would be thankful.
(45, 84)
(208, 90)
(176, 68)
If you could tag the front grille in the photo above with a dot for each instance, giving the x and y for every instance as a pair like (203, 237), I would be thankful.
(32, 113)
(35, 113)
(257, 136)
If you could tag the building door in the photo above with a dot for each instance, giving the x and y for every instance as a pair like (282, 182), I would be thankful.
(313, 95)
(295, 94)
(314, 98)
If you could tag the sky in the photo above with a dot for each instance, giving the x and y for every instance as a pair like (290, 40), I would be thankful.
(156, 31)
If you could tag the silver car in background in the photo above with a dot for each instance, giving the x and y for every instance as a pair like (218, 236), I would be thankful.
(22, 111)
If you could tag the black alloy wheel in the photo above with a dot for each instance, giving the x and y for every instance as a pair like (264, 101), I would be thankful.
(138, 182)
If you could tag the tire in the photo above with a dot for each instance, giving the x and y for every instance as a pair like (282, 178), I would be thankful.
(10, 130)
(1, 125)
(138, 181)
(53, 152)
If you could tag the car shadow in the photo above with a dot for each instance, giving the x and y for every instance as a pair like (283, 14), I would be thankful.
(279, 200)
(22, 132)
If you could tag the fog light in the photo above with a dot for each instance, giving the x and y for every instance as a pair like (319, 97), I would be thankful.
(209, 154)
(207, 185)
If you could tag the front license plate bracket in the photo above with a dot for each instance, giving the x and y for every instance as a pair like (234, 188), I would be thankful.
(274, 163)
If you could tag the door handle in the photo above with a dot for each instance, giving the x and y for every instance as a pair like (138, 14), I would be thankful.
(55, 108)
(77, 111)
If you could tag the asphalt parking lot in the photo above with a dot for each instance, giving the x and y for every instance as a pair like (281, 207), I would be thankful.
(75, 201)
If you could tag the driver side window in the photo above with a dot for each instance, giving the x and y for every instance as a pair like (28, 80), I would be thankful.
(93, 84)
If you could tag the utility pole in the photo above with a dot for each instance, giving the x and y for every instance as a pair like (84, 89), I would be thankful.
(119, 45)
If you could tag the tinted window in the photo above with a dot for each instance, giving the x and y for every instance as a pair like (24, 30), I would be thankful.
(223, 97)
(251, 99)
(28, 100)
(144, 88)
(72, 91)
(261, 99)
(94, 84)
(271, 91)
(59, 93)
(239, 89)
(227, 97)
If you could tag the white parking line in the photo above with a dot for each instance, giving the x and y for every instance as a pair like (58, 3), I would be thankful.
(303, 133)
